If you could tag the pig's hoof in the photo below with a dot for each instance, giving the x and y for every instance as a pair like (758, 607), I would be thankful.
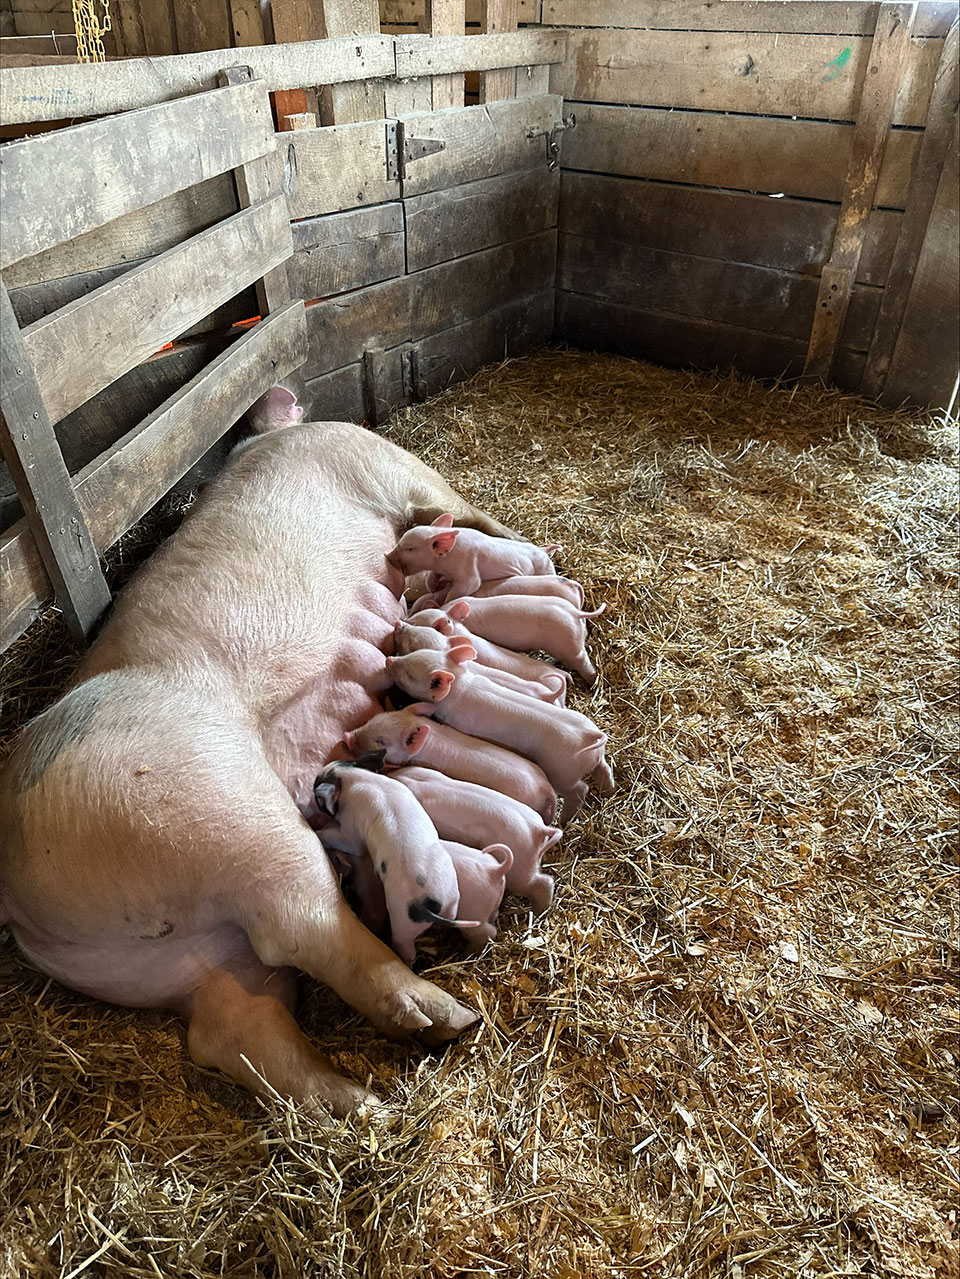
(335, 1098)
(426, 1011)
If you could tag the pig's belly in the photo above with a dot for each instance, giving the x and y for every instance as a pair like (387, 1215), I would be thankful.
(307, 732)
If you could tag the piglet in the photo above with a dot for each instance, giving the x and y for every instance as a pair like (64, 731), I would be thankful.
(466, 556)
(274, 410)
(564, 743)
(491, 656)
(376, 815)
(481, 876)
(462, 810)
(442, 588)
(405, 734)
(409, 639)
(528, 623)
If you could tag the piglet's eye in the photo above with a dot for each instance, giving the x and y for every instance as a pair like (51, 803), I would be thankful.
(380, 742)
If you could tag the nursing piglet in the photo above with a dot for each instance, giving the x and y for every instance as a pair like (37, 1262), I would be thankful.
(465, 556)
(375, 814)
(528, 623)
(491, 656)
(462, 810)
(410, 639)
(564, 588)
(481, 876)
(405, 734)
(564, 743)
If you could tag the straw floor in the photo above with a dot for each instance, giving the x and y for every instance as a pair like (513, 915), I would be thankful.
(731, 1047)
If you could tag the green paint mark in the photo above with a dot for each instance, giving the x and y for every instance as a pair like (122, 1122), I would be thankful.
(838, 63)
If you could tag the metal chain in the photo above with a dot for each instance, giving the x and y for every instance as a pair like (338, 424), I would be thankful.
(91, 29)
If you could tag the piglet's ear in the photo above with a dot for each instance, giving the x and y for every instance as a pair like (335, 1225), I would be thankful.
(372, 760)
(416, 739)
(327, 795)
(461, 650)
(440, 682)
(443, 625)
(421, 708)
(443, 521)
(443, 542)
(459, 610)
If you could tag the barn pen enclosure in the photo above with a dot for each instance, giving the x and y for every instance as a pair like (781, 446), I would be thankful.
(670, 289)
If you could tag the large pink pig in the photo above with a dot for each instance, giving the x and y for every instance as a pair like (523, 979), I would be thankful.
(492, 656)
(466, 556)
(564, 743)
(409, 639)
(528, 623)
(155, 851)
(376, 815)
(462, 810)
(406, 734)
(481, 878)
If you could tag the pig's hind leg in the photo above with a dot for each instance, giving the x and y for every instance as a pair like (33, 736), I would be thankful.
(240, 1021)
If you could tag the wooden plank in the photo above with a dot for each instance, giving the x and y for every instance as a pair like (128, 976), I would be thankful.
(477, 215)
(678, 341)
(200, 25)
(256, 181)
(413, 13)
(112, 166)
(54, 522)
(137, 235)
(926, 359)
(794, 157)
(417, 305)
(887, 56)
(336, 396)
(345, 251)
(52, 45)
(787, 75)
(29, 94)
(792, 235)
(35, 301)
(934, 149)
(118, 487)
(81, 349)
(497, 16)
(339, 167)
(730, 293)
(445, 54)
(480, 142)
(246, 23)
(533, 82)
(361, 99)
(776, 16)
(444, 18)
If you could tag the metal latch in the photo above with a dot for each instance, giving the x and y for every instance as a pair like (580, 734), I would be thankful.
(403, 150)
(553, 139)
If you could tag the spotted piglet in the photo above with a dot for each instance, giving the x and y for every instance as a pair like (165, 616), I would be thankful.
(467, 557)
(464, 811)
(375, 814)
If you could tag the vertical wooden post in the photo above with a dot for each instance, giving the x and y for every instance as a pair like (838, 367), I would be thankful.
(358, 99)
(498, 15)
(881, 81)
(924, 180)
(447, 18)
(246, 23)
(293, 20)
(30, 449)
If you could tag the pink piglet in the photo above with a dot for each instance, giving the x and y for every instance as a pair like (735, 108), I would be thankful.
(466, 556)
(481, 877)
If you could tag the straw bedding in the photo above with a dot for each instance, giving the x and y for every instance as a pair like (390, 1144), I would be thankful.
(731, 1046)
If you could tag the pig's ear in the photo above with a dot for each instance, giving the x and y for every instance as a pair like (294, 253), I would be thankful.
(440, 682)
(461, 651)
(443, 543)
(371, 760)
(327, 794)
(443, 625)
(459, 610)
(420, 708)
(416, 739)
(443, 521)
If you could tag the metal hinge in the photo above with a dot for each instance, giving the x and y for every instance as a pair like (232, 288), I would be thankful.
(553, 138)
(403, 150)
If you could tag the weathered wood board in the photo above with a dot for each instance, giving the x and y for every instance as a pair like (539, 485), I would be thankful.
(412, 12)
(730, 293)
(91, 342)
(477, 215)
(842, 17)
(414, 306)
(121, 484)
(128, 161)
(792, 235)
(806, 158)
(29, 94)
(338, 167)
(481, 141)
(444, 55)
(685, 341)
(787, 75)
(344, 251)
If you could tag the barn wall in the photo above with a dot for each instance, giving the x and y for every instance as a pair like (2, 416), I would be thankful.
(702, 182)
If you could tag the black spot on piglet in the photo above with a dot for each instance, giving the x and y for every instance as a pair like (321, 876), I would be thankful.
(383, 870)
(423, 909)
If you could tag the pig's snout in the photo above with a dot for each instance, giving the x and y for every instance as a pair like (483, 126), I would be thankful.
(393, 559)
